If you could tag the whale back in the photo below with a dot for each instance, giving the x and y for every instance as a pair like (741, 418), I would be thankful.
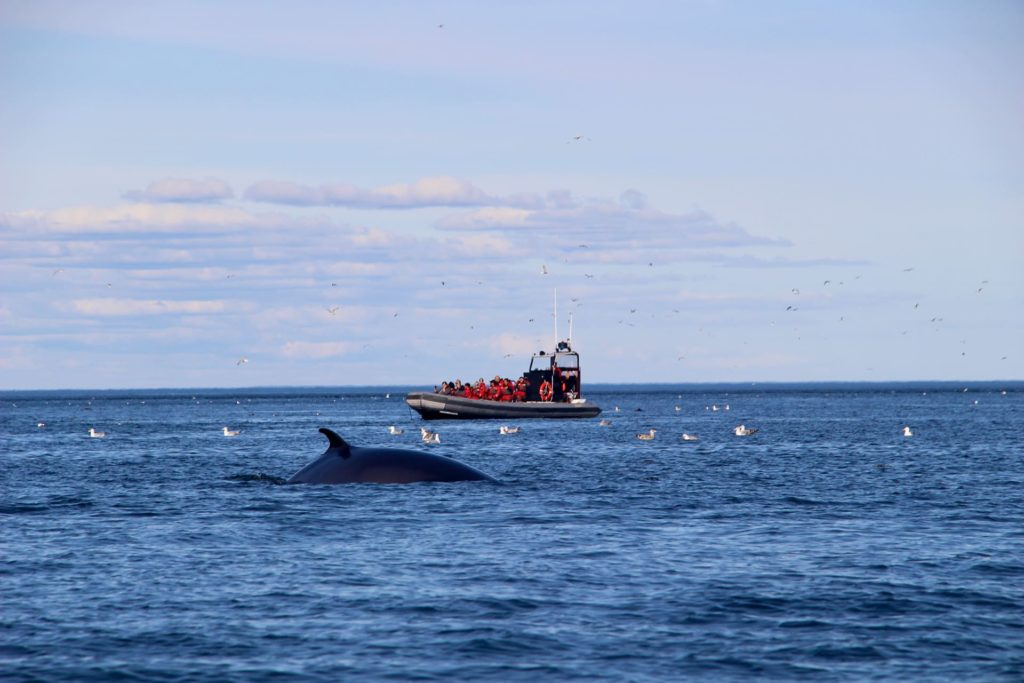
(343, 463)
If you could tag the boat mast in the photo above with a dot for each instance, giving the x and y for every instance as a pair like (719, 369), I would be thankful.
(555, 346)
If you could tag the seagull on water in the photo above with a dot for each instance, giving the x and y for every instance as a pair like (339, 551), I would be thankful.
(604, 423)
(96, 435)
(743, 430)
(231, 432)
(508, 430)
(689, 437)
(429, 436)
(395, 431)
(649, 436)
(907, 432)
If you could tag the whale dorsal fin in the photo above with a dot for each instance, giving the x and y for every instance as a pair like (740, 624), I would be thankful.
(336, 442)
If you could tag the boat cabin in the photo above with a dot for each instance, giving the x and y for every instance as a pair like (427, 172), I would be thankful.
(561, 369)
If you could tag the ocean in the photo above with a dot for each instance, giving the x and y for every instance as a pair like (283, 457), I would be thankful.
(827, 546)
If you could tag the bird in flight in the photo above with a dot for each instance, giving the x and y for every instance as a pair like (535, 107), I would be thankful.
(242, 361)
(333, 309)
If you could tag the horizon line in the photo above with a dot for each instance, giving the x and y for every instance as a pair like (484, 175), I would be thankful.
(599, 385)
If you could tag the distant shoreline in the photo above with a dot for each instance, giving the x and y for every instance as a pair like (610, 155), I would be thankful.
(596, 387)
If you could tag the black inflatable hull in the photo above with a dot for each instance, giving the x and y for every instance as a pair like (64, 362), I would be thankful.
(433, 406)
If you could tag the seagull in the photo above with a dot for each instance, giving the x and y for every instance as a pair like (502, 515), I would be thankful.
(43, 424)
(333, 309)
(604, 423)
(242, 361)
(508, 430)
(689, 437)
(907, 432)
(429, 436)
(58, 271)
(678, 409)
(395, 431)
(649, 436)
(742, 430)
(543, 270)
(231, 432)
(588, 275)
(96, 435)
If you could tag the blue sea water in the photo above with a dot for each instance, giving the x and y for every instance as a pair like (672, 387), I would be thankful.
(825, 547)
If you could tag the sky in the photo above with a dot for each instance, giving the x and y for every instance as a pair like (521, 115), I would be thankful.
(250, 193)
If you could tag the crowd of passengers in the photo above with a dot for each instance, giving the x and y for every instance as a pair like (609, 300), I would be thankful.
(505, 389)
(499, 389)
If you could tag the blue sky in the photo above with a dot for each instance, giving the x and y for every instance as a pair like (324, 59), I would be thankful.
(718, 191)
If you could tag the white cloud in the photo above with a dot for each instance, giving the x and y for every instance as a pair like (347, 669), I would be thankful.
(124, 307)
(490, 218)
(514, 344)
(611, 225)
(182, 190)
(300, 349)
(147, 218)
(426, 192)
(483, 247)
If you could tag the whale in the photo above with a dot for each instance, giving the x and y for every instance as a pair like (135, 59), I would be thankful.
(343, 463)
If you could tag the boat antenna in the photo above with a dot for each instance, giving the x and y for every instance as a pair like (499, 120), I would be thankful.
(569, 338)
(556, 319)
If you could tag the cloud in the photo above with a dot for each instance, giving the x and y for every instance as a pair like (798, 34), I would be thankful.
(181, 190)
(299, 349)
(512, 344)
(748, 261)
(126, 307)
(145, 218)
(435, 191)
(627, 224)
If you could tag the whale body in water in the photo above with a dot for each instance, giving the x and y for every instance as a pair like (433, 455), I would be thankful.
(343, 463)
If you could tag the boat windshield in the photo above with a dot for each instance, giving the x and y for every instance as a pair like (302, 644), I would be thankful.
(567, 360)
